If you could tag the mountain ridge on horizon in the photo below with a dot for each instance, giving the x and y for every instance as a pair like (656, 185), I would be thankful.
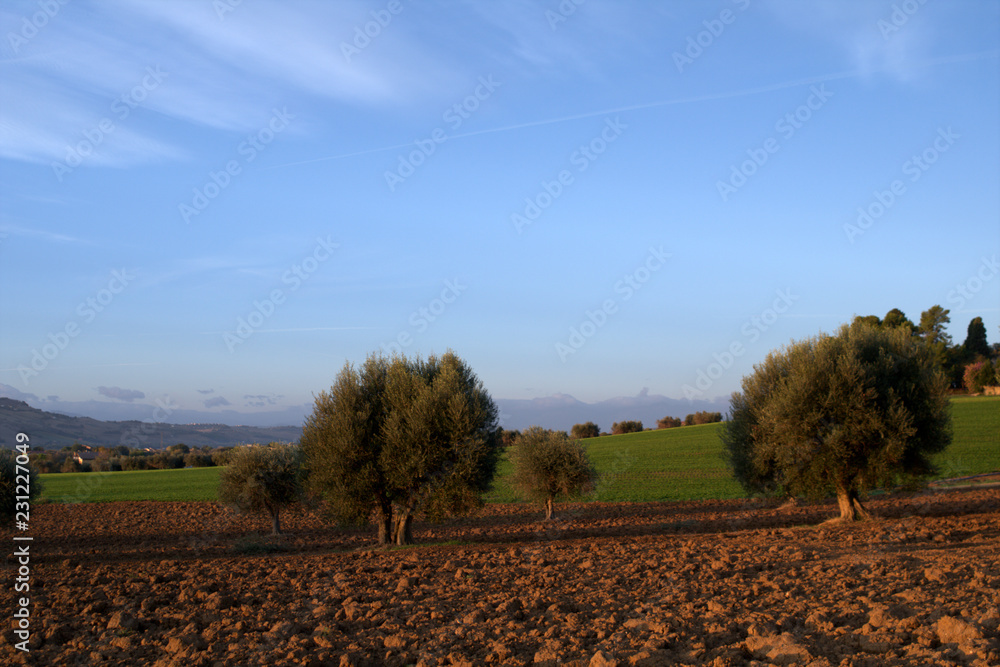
(557, 411)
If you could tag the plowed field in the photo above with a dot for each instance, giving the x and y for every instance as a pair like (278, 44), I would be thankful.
(714, 582)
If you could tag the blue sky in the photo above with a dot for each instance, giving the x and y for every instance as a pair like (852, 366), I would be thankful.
(219, 203)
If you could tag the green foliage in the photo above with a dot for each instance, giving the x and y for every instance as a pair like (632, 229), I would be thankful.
(897, 318)
(669, 422)
(620, 428)
(11, 486)
(399, 438)
(585, 430)
(839, 414)
(702, 417)
(975, 340)
(261, 478)
(548, 465)
(508, 436)
(978, 375)
(196, 460)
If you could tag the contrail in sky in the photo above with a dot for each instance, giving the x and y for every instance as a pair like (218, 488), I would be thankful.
(650, 105)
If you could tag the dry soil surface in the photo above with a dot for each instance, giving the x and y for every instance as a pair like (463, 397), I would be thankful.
(718, 583)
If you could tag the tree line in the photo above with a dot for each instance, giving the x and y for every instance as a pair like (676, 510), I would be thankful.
(121, 457)
(954, 359)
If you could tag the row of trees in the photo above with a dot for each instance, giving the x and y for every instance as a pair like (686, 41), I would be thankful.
(399, 438)
(952, 358)
(696, 419)
(396, 438)
(113, 459)
(837, 414)
(591, 430)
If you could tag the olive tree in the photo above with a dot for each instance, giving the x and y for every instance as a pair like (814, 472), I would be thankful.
(398, 438)
(839, 414)
(585, 430)
(261, 479)
(548, 464)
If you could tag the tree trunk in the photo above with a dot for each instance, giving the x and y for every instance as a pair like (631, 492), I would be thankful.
(385, 526)
(401, 528)
(548, 508)
(276, 525)
(851, 508)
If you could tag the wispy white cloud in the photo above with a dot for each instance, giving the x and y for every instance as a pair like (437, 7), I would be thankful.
(854, 27)
(42, 234)
(220, 74)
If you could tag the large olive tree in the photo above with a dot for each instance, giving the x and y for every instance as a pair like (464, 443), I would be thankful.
(839, 414)
(397, 438)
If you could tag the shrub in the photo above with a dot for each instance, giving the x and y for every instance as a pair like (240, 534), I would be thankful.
(548, 465)
(668, 422)
(508, 437)
(193, 460)
(978, 375)
(9, 484)
(262, 478)
(619, 428)
(585, 430)
(703, 417)
(135, 462)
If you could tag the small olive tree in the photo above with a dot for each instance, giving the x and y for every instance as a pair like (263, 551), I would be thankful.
(627, 426)
(11, 486)
(839, 414)
(548, 465)
(585, 430)
(261, 479)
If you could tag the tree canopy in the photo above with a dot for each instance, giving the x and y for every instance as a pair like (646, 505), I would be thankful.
(549, 465)
(839, 414)
(399, 437)
(261, 479)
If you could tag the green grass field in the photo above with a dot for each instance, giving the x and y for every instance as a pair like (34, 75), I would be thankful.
(97, 487)
(975, 445)
(672, 464)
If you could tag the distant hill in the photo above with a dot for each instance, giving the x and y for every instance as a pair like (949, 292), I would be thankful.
(53, 431)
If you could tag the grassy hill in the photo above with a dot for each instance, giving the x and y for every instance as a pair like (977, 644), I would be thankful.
(671, 464)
